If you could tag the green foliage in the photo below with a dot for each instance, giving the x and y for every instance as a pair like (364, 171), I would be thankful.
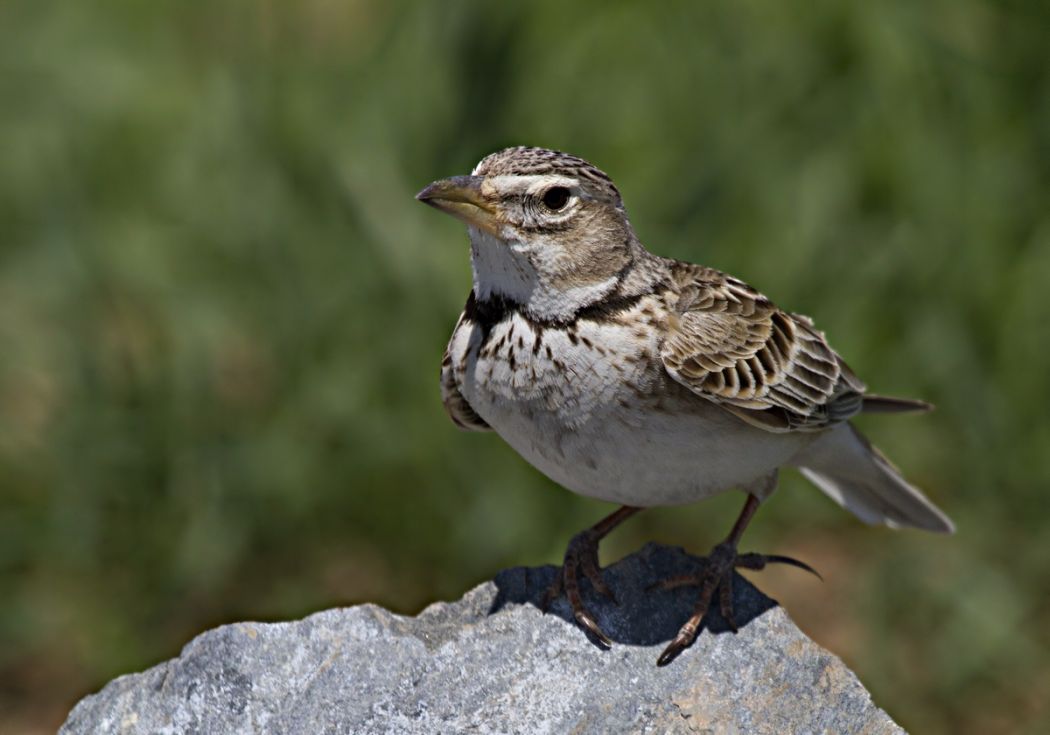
(221, 311)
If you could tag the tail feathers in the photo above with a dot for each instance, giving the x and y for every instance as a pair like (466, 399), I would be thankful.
(888, 404)
(856, 475)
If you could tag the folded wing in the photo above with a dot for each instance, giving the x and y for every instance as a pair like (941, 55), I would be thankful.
(731, 345)
(457, 407)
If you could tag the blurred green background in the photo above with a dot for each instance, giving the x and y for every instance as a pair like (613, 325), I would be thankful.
(222, 313)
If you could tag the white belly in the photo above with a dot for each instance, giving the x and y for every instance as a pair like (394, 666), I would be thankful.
(596, 417)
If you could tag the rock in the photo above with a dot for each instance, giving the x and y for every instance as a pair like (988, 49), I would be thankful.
(492, 662)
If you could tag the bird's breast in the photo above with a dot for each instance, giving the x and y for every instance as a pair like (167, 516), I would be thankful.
(591, 406)
(551, 374)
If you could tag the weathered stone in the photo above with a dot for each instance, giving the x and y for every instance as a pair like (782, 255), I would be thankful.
(492, 662)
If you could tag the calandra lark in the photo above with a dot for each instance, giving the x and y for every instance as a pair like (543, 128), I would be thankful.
(641, 380)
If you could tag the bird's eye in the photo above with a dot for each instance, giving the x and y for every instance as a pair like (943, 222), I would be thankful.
(555, 198)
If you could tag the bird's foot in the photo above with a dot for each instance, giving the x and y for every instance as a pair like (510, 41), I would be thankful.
(716, 578)
(581, 555)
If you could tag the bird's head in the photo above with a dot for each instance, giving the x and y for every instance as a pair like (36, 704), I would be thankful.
(548, 230)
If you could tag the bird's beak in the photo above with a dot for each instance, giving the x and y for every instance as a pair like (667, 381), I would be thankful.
(461, 196)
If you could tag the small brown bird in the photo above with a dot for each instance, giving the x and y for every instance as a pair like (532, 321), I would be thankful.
(645, 381)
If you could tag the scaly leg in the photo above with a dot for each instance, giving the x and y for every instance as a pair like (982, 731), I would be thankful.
(717, 577)
(582, 555)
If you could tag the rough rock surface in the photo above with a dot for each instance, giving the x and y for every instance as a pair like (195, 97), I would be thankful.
(492, 662)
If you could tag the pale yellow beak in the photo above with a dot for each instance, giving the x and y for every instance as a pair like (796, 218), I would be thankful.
(461, 197)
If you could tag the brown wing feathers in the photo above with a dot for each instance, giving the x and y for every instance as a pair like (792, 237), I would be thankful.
(732, 345)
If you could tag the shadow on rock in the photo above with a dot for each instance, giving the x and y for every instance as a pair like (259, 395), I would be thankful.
(639, 618)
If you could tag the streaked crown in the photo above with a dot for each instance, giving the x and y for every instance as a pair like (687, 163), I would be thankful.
(528, 161)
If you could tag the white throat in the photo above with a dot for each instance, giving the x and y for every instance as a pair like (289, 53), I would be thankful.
(509, 269)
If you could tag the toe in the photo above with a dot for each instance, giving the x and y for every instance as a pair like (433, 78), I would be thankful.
(725, 602)
(593, 572)
(553, 592)
(673, 583)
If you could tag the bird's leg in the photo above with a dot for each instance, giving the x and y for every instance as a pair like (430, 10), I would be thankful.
(717, 577)
(582, 555)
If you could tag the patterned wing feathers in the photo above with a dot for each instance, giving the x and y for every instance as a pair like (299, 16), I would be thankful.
(733, 346)
(457, 407)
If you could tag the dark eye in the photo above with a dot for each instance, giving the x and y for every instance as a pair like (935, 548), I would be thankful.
(555, 198)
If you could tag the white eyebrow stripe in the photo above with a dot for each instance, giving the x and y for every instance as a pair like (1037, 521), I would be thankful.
(532, 183)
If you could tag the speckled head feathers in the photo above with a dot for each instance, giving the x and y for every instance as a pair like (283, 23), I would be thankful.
(528, 161)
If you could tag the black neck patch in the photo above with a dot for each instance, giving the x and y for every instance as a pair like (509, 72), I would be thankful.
(495, 309)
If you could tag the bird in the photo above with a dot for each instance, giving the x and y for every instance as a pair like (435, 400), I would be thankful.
(645, 381)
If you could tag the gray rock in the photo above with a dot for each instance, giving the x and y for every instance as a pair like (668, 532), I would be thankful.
(491, 662)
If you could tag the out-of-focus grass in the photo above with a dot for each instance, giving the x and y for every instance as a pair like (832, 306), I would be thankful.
(221, 311)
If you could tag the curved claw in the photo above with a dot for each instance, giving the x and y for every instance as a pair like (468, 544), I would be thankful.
(581, 556)
(759, 561)
(681, 642)
(588, 623)
(777, 559)
(717, 578)
(670, 653)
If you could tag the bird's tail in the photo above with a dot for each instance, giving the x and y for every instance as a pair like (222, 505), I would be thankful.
(844, 464)
(889, 404)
